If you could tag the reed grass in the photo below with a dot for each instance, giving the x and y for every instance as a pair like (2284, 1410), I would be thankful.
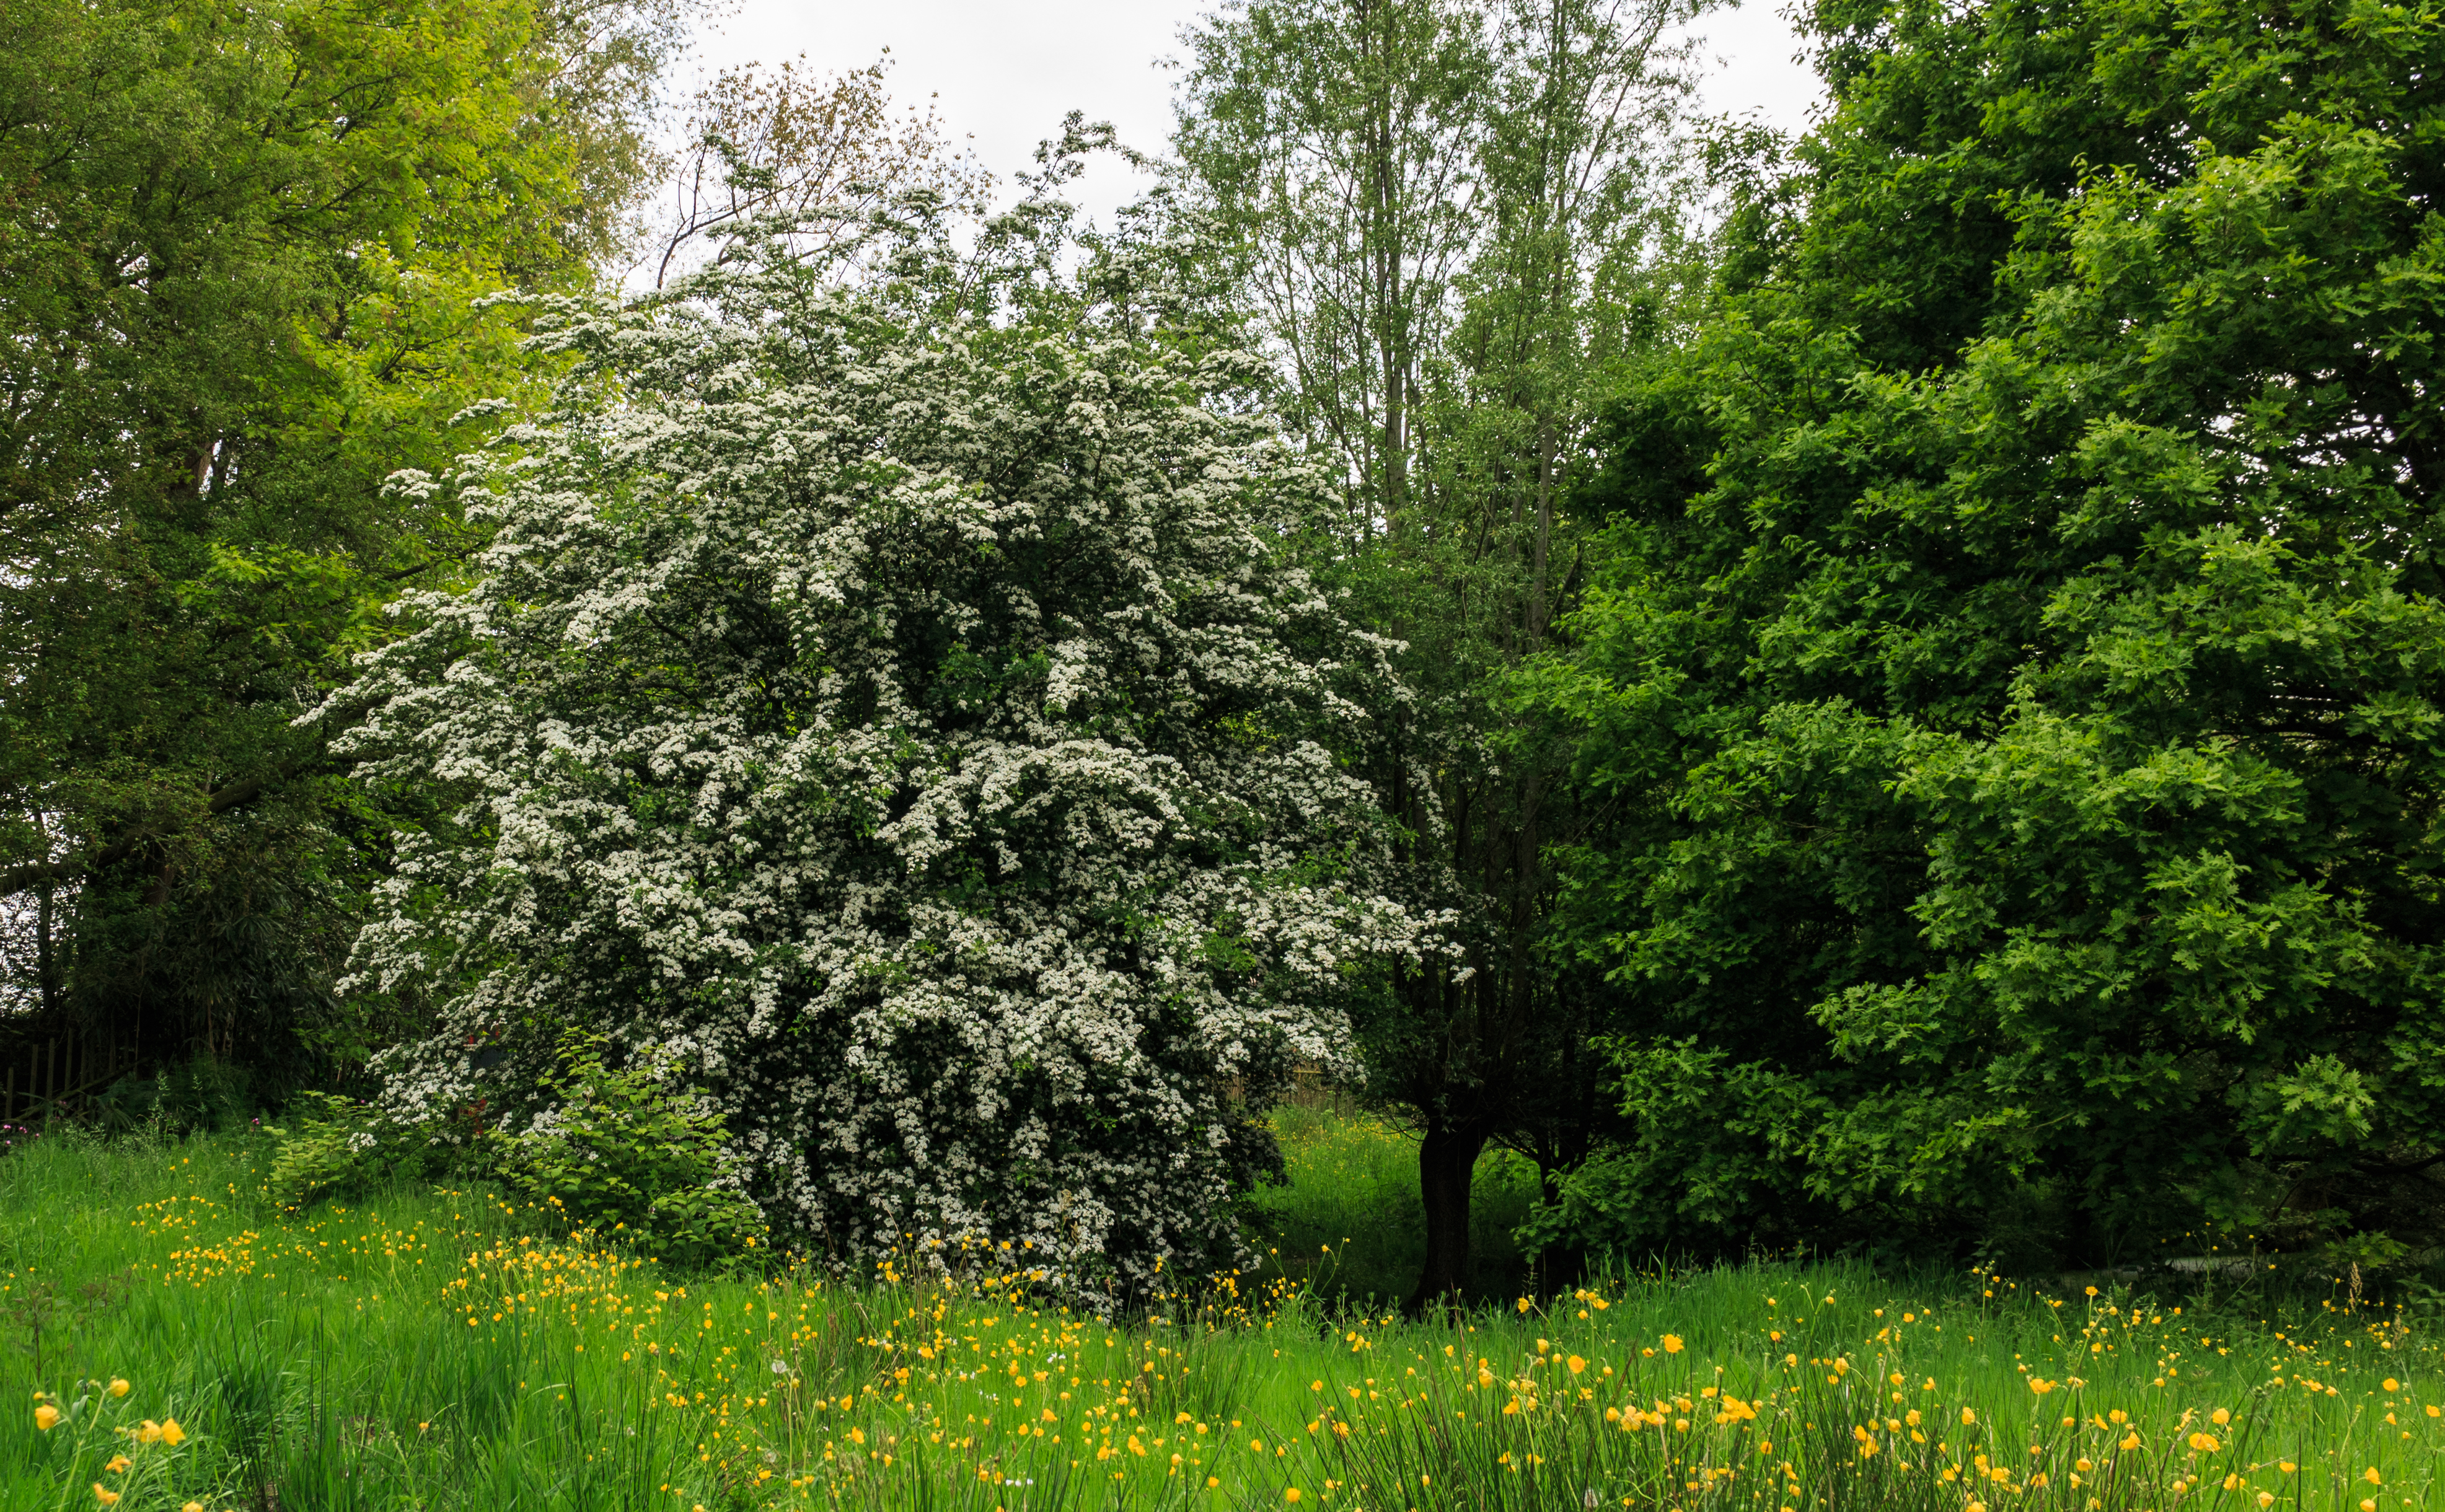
(443, 1348)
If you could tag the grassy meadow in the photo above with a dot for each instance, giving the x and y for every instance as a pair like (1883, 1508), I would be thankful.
(437, 1349)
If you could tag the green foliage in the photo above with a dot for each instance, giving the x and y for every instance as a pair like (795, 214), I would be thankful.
(624, 1152)
(199, 1095)
(341, 1147)
(2017, 666)
(248, 251)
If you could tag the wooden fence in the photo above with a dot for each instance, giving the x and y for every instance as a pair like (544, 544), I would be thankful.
(47, 1073)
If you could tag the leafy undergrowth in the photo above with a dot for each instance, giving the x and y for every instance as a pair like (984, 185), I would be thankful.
(439, 1350)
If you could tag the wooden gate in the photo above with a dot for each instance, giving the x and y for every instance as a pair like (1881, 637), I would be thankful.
(41, 1073)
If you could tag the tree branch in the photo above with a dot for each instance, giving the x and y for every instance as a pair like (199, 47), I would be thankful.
(67, 869)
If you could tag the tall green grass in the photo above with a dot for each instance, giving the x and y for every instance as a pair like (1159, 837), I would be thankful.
(431, 1349)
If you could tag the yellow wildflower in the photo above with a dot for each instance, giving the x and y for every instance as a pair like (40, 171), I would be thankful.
(47, 1417)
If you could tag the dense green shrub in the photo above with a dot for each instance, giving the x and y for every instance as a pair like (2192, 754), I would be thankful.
(624, 1152)
(341, 1147)
(201, 1096)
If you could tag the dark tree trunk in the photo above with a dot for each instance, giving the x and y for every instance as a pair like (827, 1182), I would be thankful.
(45, 966)
(1558, 1267)
(1446, 1160)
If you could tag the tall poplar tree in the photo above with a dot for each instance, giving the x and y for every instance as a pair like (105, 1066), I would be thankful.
(1452, 218)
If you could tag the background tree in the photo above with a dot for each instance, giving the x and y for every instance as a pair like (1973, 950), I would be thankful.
(244, 258)
(2019, 653)
(819, 154)
(1453, 219)
(1339, 146)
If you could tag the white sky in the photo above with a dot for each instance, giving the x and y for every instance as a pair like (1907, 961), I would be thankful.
(1004, 73)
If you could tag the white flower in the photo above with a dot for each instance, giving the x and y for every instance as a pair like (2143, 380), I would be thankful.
(921, 739)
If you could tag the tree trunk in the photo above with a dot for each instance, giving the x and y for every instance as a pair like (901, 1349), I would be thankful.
(1446, 1160)
(1558, 1267)
(46, 968)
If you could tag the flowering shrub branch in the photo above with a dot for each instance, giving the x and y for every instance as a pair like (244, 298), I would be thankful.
(913, 729)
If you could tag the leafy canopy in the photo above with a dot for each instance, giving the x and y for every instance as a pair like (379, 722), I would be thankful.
(2019, 662)
(246, 252)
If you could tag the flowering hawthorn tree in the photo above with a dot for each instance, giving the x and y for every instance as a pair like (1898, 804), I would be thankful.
(917, 726)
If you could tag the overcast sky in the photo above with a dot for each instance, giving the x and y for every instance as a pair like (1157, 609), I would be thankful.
(1005, 72)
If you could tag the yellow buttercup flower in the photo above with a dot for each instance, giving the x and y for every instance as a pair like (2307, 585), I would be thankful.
(1673, 1344)
(104, 1495)
(47, 1417)
(1968, 1418)
(118, 1387)
(118, 1464)
(172, 1433)
(1292, 1496)
(149, 1433)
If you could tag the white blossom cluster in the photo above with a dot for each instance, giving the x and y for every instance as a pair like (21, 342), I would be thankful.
(925, 737)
